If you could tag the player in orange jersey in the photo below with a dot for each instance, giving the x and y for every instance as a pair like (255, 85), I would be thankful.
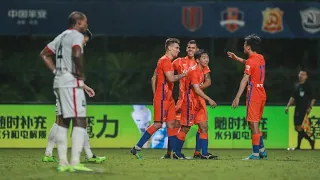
(180, 65)
(253, 78)
(163, 102)
(193, 108)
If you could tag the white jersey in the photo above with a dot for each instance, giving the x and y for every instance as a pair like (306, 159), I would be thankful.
(65, 67)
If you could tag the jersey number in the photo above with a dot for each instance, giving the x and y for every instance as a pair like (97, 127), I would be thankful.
(262, 71)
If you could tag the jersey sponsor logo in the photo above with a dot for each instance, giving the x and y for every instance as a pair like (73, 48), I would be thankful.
(310, 20)
(192, 18)
(272, 20)
(232, 19)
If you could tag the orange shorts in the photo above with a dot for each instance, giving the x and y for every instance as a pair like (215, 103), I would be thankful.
(255, 110)
(191, 117)
(164, 110)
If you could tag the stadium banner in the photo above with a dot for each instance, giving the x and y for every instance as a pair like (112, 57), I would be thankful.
(121, 126)
(196, 19)
(311, 126)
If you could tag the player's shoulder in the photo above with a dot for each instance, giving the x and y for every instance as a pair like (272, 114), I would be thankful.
(177, 60)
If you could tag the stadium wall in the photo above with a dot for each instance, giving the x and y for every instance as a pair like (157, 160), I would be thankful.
(120, 126)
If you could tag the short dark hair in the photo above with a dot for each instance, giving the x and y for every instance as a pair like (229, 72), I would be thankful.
(74, 17)
(304, 70)
(254, 42)
(170, 41)
(199, 53)
(193, 42)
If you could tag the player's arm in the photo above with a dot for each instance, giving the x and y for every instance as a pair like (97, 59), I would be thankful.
(77, 59)
(173, 78)
(235, 57)
(154, 82)
(243, 85)
(199, 92)
(290, 103)
(46, 56)
(313, 101)
(207, 81)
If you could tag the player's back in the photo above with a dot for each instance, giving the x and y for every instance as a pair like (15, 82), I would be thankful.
(255, 67)
(164, 88)
(65, 67)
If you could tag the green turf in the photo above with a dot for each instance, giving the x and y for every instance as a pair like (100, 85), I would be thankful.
(120, 164)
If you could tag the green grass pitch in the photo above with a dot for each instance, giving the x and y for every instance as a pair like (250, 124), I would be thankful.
(121, 165)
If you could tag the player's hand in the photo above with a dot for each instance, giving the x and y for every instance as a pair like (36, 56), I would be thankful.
(89, 91)
(232, 55)
(178, 109)
(286, 110)
(235, 103)
(212, 103)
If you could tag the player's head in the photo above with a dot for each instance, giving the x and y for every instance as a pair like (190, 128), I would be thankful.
(172, 47)
(192, 47)
(87, 37)
(251, 44)
(202, 57)
(78, 21)
(303, 75)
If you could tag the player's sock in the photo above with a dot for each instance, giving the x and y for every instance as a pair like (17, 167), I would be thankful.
(181, 136)
(62, 145)
(255, 144)
(169, 147)
(172, 138)
(146, 136)
(300, 137)
(198, 143)
(86, 146)
(77, 144)
(261, 145)
(203, 138)
(51, 139)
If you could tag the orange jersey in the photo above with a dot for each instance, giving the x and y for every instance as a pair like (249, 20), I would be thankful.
(182, 64)
(164, 88)
(191, 99)
(255, 67)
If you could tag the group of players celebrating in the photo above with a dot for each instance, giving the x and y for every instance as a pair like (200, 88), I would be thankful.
(190, 109)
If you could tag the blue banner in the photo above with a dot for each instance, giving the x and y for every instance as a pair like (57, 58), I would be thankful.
(229, 19)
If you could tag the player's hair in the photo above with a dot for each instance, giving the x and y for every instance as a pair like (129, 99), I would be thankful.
(254, 42)
(199, 53)
(193, 42)
(170, 41)
(74, 17)
(304, 70)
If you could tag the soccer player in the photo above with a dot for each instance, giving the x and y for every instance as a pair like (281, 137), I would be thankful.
(180, 65)
(163, 102)
(68, 88)
(253, 77)
(194, 109)
(90, 157)
(303, 97)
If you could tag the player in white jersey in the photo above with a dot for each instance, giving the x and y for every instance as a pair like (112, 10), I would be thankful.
(142, 117)
(90, 157)
(68, 88)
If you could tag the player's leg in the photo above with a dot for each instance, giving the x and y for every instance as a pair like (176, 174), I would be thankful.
(48, 156)
(299, 116)
(160, 107)
(197, 150)
(172, 125)
(253, 118)
(202, 120)
(262, 151)
(74, 107)
(176, 130)
(90, 156)
(181, 137)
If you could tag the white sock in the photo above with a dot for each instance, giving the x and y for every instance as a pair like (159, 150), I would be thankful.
(51, 140)
(77, 144)
(62, 144)
(86, 146)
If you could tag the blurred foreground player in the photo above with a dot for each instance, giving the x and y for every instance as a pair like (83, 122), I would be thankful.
(303, 98)
(90, 157)
(68, 88)
(163, 102)
(180, 65)
(194, 109)
(254, 75)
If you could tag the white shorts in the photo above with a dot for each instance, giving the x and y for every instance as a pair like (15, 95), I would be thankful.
(70, 102)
